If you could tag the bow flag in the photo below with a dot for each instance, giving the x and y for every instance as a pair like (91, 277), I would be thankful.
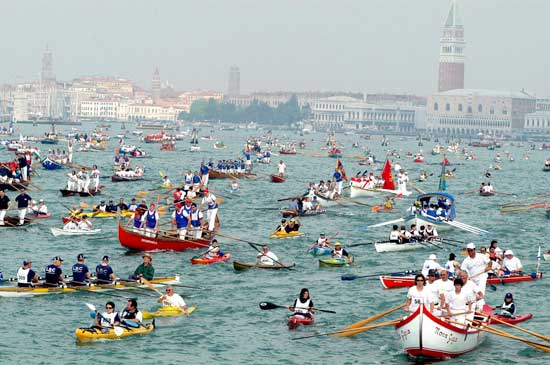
(340, 168)
(387, 177)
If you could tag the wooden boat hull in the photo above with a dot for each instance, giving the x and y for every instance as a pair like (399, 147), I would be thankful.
(65, 192)
(423, 335)
(118, 178)
(213, 174)
(277, 179)
(138, 242)
(240, 266)
(390, 282)
(12, 221)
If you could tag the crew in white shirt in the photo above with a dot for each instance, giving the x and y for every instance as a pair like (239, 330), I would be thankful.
(267, 257)
(458, 303)
(172, 299)
(476, 265)
(418, 295)
(429, 264)
(512, 265)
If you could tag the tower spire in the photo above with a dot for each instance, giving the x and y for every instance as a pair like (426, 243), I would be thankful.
(451, 52)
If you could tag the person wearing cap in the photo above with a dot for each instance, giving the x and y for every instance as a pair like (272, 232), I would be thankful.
(40, 209)
(511, 264)
(103, 272)
(81, 274)
(150, 221)
(458, 303)
(171, 299)
(452, 265)
(111, 207)
(477, 266)
(508, 308)
(53, 273)
(102, 207)
(26, 277)
(133, 205)
(180, 220)
(266, 257)
(145, 269)
(429, 264)
(4, 206)
(210, 200)
(322, 241)
(23, 200)
(339, 252)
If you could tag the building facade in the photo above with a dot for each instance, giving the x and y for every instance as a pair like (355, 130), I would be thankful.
(537, 122)
(155, 86)
(451, 52)
(473, 111)
(234, 84)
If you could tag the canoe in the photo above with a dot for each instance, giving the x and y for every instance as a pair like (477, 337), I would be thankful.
(511, 320)
(305, 213)
(214, 174)
(320, 251)
(167, 311)
(39, 216)
(12, 221)
(91, 334)
(92, 214)
(358, 189)
(287, 152)
(418, 160)
(546, 169)
(277, 179)
(14, 291)
(65, 192)
(239, 266)
(118, 178)
(390, 282)
(201, 260)
(295, 320)
(138, 242)
(74, 232)
(393, 247)
(424, 335)
(486, 193)
(335, 262)
(283, 234)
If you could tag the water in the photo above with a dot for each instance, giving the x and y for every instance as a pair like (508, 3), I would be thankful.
(229, 327)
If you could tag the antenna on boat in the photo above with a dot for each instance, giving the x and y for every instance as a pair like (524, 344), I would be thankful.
(442, 180)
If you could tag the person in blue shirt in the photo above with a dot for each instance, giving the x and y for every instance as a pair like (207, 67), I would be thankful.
(204, 174)
(104, 273)
(26, 277)
(53, 273)
(81, 274)
(23, 200)
(338, 179)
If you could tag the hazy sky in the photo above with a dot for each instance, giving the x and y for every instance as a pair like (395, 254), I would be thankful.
(360, 45)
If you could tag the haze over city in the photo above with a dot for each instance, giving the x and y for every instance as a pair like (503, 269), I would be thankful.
(367, 46)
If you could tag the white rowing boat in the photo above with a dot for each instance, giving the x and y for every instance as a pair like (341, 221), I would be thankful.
(393, 247)
(358, 189)
(74, 232)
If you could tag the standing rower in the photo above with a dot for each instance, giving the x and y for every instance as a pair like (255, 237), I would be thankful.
(4, 206)
(210, 200)
(150, 221)
(23, 201)
(477, 266)
(180, 220)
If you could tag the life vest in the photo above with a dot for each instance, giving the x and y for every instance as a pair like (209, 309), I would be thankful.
(188, 179)
(302, 308)
(151, 219)
(22, 277)
(394, 236)
(137, 221)
(181, 218)
(509, 307)
(195, 219)
(129, 315)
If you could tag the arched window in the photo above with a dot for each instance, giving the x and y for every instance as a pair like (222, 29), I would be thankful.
(436, 106)
(479, 108)
(448, 107)
(459, 107)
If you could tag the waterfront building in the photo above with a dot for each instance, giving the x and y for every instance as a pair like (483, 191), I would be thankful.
(537, 122)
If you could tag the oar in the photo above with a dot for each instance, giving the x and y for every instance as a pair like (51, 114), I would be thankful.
(359, 324)
(386, 223)
(507, 194)
(152, 287)
(545, 338)
(354, 330)
(268, 306)
(118, 330)
(175, 285)
(353, 277)
(366, 243)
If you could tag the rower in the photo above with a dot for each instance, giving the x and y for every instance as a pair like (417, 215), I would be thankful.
(405, 235)
(85, 224)
(171, 299)
(418, 295)
(104, 273)
(195, 223)
(109, 318)
(94, 175)
(432, 287)
(133, 205)
(266, 257)
(508, 308)
(4, 206)
(214, 249)
(26, 277)
(111, 207)
(458, 303)
(323, 241)
(512, 265)
(210, 200)
(131, 314)
(145, 269)
(102, 207)
(306, 204)
(293, 225)
(395, 235)
(476, 265)
(187, 181)
(339, 252)
(150, 221)
(339, 180)
(204, 174)
(41, 208)
(122, 205)
(430, 264)
(81, 274)
(388, 203)
(196, 181)
(472, 290)
(430, 233)
(415, 234)
(53, 273)
(166, 183)
(293, 205)
(23, 200)
(180, 220)
(444, 286)
(452, 265)
(303, 305)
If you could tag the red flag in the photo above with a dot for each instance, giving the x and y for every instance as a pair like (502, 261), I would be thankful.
(340, 167)
(387, 177)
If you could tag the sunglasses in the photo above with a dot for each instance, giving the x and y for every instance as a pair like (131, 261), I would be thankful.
(419, 281)
(108, 307)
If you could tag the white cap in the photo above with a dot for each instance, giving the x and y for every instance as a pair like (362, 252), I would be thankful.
(508, 252)
(432, 257)
(471, 246)
(41, 201)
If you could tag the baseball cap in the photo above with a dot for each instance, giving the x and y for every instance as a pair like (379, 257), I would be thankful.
(26, 262)
(322, 234)
(337, 244)
(57, 258)
(80, 256)
(105, 258)
(509, 295)
(147, 255)
(471, 246)
(508, 252)
(41, 201)
(205, 191)
(432, 257)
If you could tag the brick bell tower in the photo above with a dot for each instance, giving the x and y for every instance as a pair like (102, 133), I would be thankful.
(451, 52)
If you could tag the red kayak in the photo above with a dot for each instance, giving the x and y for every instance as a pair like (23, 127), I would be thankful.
(202, 260)
(297, 319)
(511, 320)
(39, 216)
(391, 282)
(277, 179)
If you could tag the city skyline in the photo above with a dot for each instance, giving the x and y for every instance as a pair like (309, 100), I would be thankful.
(276, 45)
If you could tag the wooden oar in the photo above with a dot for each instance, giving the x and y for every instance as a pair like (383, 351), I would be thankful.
(359, 324)
(416, 188)
(268, 306)
(35, 186)
(545, 338)
(353, 277)
(354, 330)
(152, 287)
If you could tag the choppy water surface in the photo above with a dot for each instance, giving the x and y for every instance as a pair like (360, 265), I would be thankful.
(229, 327)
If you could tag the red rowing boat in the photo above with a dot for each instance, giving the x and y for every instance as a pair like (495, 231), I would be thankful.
(511, 320)
(277, 179)
(137, 241)
(391, 282)
(297, 319)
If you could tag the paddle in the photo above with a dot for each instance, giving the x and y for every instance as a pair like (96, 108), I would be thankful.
(118, 330)
(152, 287)
(545, 338)
(353, 277)
(268, 306)
(354, 330)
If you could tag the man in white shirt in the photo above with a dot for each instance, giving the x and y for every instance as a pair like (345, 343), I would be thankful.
(476, 265)
(267, 257)
(281, 168)
(512, 265)
(173, 300)
(430, 264)
(444, 286)
(471, 289)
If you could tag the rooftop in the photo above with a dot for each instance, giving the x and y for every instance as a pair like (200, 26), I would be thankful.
(484, 92)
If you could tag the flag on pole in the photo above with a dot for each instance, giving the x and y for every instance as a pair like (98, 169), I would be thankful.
(442, 179)
(388, 177)
(340, 168)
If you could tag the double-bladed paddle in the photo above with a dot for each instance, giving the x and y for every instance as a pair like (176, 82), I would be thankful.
(118, 330)
(268, 306)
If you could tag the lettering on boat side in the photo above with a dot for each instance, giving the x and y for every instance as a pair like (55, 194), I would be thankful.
(147, 241)
(448, 336)
(404, 333)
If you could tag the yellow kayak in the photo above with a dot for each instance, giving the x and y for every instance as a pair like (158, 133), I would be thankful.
(123, 213)
(283, 234)
(91, 334)
(167, 311)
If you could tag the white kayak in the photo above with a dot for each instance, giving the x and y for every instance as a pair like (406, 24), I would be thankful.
(74, 232)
